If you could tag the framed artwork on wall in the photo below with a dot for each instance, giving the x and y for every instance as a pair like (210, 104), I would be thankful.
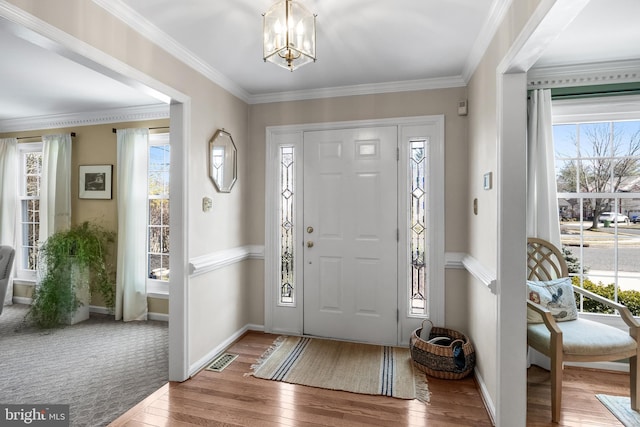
(95, 181)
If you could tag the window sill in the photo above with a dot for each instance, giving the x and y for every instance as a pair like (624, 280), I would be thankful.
(158, 295)
(157, 289)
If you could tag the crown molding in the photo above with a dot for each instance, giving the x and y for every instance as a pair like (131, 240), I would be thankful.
(57, 121)
(363, 89)
(145, 28)
(498, 10)
(136, 21)
(584, 74)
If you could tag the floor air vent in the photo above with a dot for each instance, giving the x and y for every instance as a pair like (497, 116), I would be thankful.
(221, 362)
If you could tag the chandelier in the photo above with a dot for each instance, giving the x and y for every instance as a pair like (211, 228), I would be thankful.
(289, 35)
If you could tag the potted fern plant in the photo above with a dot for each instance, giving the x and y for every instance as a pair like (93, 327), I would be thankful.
(74, 266)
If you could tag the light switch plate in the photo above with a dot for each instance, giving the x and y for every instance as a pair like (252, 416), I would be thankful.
(487, 181)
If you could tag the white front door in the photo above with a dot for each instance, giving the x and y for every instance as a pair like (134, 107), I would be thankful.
(350, 234)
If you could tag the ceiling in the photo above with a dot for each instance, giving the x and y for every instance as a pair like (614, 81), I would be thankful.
(362, 45)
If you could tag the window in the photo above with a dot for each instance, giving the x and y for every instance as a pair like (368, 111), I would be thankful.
(30, 155)
(598, 183)
(417, 227)
(286, 222)
(158, 213)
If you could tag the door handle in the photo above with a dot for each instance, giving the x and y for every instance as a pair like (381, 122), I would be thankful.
(309, 244)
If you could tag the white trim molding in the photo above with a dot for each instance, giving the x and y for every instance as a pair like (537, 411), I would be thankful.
(453, 260)
(363, 89)
(584, 74)
(485, 275)
(57, 121)
(485, 395)
(215, 260)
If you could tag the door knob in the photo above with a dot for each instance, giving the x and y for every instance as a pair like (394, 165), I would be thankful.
(309, 244)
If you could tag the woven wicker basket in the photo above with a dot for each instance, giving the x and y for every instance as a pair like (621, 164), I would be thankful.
(438, 360)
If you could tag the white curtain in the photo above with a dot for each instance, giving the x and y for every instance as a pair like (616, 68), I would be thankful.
(542, 200)
(8, 199)
(55, 185)
(132, 197)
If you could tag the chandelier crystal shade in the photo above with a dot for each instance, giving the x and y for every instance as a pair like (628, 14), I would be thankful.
(289, 35)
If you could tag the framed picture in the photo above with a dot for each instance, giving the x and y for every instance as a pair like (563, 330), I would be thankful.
(95, 181)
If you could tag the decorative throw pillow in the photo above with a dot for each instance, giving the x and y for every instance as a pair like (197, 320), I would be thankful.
(555, 295)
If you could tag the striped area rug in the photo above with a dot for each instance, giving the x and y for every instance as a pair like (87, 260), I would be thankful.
(346, 366)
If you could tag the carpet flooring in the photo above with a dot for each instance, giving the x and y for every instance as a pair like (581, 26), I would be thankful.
(100, 367)
(346, 366)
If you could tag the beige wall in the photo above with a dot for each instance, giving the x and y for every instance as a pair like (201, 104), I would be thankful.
(483, 228)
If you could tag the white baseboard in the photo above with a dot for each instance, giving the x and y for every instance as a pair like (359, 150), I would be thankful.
(486, 398)
(22, 300)
(162, 317)
(97, 309)
(220, 348)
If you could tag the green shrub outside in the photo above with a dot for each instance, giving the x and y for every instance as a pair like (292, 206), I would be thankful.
(628, 298)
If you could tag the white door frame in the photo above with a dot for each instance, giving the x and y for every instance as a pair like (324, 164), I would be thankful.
(549, 19)
(288, 319)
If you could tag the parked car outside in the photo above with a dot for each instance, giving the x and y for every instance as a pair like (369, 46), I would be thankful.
(613, 217)
(635, 218)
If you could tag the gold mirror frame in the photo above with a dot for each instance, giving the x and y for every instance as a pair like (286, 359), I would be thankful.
(223, 161)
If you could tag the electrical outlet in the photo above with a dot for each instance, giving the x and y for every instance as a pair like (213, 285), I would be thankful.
(207, 204)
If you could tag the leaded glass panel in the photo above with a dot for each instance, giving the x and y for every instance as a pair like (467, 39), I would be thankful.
(417, 228)
(286, 221)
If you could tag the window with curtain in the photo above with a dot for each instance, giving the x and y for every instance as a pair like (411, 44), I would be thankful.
(598, 184)
(158, 213)
(30, 171)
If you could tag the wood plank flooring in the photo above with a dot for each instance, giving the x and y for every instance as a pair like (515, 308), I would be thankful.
(233, 398)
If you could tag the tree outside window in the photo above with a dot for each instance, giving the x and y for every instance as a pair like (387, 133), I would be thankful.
(158, 211)
(598, 183)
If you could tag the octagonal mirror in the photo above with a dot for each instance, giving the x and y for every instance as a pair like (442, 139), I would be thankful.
(223, 169)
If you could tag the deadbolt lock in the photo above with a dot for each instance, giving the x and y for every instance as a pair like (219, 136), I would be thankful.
(309, 229)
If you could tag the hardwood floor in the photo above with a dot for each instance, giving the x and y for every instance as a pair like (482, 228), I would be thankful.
(233, 398)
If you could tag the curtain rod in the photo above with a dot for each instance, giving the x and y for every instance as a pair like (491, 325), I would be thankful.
(114, 130)
(73, 134)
